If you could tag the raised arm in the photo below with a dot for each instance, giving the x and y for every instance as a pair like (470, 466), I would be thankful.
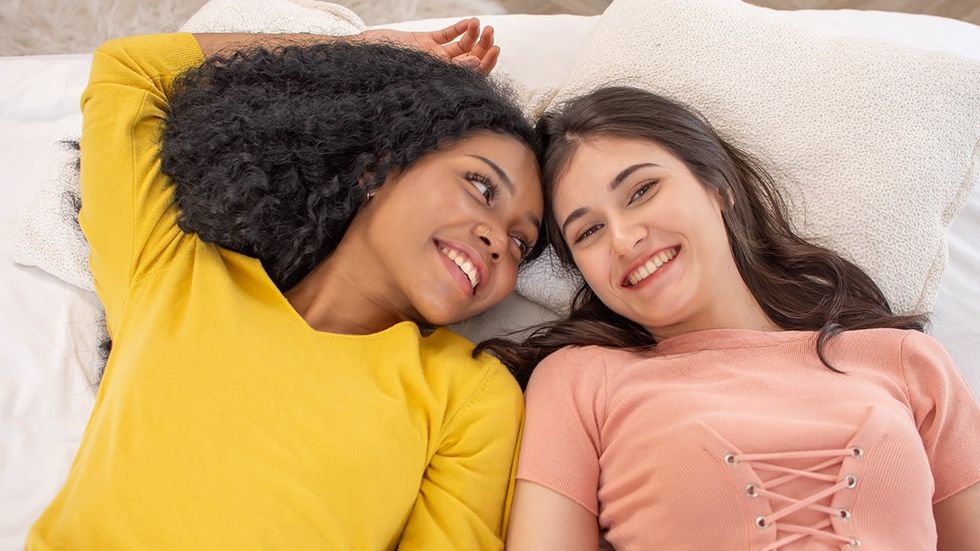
(461, 42)
(127, 214)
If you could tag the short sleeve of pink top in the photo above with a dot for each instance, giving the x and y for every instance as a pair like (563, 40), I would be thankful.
(734, 439)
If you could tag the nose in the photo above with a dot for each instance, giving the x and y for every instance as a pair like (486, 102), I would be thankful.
(486, 234)
(625, 235)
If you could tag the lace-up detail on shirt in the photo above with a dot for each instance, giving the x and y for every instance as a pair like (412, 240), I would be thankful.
(768, 463)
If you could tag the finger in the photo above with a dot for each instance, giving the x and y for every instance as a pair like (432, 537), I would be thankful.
(489, 61)
(464, 44)
(483, 46)
(468, 62)
(447, 35)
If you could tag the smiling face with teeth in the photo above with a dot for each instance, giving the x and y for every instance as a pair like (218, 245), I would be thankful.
(648, 237)
(442, 241)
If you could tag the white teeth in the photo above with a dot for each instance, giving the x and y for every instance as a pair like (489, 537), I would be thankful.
(651, 266)
(464, 264)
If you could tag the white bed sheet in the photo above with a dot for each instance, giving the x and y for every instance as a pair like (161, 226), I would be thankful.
(45, 395)
(47, 328)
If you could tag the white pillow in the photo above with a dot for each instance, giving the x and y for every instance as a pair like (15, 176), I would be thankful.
(876, 142)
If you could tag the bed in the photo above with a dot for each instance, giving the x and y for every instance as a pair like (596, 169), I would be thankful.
(49, 327)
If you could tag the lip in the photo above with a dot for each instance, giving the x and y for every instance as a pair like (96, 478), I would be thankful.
(475, 259)
(624, 280)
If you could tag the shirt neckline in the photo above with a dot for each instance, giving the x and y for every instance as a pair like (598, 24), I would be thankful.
(717, 339)
(406, 327)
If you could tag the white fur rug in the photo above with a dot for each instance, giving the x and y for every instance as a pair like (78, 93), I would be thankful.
(72, 26)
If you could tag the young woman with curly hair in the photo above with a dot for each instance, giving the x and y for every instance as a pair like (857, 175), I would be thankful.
(721, 383)
(277, 227)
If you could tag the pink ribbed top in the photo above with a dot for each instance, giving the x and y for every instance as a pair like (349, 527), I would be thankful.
(732, 439)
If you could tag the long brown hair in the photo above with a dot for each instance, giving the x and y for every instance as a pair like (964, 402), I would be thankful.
(799, 285)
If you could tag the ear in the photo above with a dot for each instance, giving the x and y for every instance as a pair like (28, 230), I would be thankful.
(724, 199)
(378, 189)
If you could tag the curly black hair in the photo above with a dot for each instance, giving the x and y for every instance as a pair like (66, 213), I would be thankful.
(273, 151)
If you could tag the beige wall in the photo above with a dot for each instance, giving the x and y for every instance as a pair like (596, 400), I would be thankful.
(966, 10)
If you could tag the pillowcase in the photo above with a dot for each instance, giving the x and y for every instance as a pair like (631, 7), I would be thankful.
(48, 236)
(876, 144)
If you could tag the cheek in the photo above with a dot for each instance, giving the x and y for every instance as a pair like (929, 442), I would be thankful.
(714, 238)
(506, 280)
(594, 269)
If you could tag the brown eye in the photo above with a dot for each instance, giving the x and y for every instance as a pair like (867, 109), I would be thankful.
(522, 245)
(484, 185)
(641, 191)
(588, 231)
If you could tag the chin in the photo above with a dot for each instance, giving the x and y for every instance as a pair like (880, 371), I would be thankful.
(434, 315)
(441, 312)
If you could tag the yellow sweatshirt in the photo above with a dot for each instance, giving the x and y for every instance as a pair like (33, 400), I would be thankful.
(223, 420)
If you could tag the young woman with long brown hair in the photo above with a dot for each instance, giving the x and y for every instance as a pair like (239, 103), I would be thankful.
(722, 383)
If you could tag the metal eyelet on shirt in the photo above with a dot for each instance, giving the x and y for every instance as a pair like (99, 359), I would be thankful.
(857, 452)
(778, 518)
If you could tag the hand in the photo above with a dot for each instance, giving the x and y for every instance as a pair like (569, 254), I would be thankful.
(473, 49)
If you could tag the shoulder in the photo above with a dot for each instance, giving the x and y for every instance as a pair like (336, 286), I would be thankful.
(926, 363)
(575, 376)
(578, 364)
(881, 336)
(469, 382)
(446, 348)
(916, 342)
(919, 360)
(873, 346)
(903, 345)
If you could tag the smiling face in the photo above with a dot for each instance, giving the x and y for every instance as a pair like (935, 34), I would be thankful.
(444, 238)
(647, 236)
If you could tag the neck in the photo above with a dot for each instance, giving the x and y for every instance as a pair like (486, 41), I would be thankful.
(336, 298)
(731, 309)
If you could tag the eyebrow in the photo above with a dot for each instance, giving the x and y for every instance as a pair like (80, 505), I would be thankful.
(575, 215)
(615, 183)
(534, 220)
(625, 173)
(500, 172)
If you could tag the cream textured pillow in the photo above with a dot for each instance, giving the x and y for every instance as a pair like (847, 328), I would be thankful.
(877, 144)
